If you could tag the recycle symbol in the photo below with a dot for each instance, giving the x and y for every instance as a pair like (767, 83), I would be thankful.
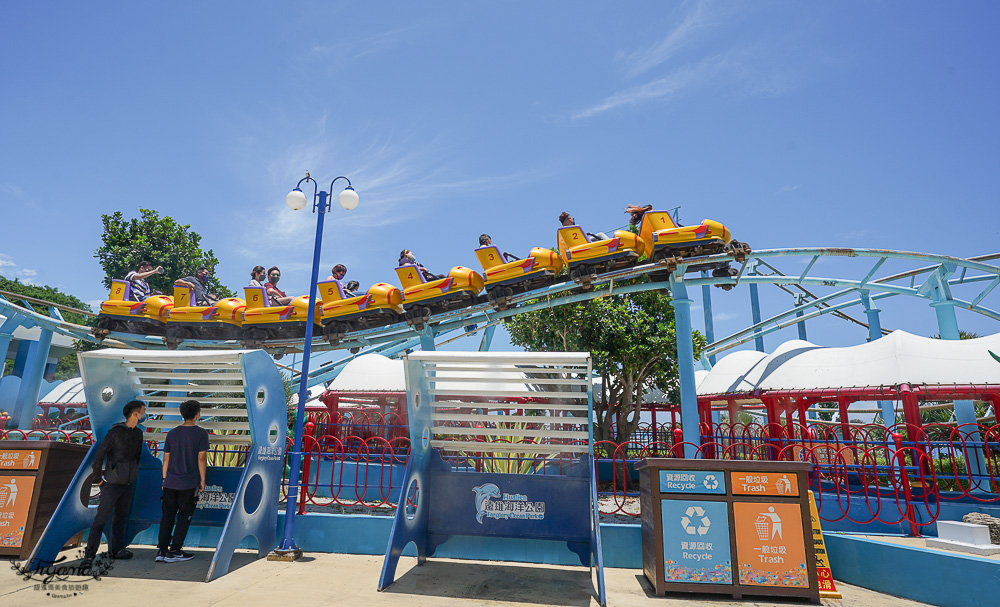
(711, 482)
(699, 525)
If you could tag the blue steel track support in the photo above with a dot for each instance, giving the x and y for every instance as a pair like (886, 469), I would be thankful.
(685, 365)
(799, 301)
(875, 332)
(427, 339)
(484, 345)
(944, 308)
(12, 322)
(706, 298)
(758, 339)
(31, 379)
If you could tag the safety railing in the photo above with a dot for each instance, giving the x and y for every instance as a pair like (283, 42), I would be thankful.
(867, 474)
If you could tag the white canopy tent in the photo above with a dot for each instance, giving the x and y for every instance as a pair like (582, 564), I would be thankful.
(898, 358)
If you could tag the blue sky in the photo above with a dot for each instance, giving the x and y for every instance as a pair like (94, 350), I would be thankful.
(855, 124)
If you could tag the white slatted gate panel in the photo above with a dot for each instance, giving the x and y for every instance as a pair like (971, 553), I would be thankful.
(217, 384)
(508, 412)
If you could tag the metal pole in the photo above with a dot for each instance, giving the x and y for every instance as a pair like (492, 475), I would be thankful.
(706, 297)
(295, 461)
(799, 299)
(685, 366)
(875, 332)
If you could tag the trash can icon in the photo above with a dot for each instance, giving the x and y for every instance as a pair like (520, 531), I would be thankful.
(763, 526)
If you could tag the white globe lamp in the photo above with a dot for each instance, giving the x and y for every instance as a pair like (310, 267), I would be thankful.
(348, 199)
(296, 200)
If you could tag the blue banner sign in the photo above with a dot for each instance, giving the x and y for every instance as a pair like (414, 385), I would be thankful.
(696, 542)
(693, 481)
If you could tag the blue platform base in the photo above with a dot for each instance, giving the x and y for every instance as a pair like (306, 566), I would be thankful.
(929, 576)
(360, 534)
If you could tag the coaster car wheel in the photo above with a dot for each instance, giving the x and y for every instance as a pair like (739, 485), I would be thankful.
(175, 335)
(725, 272)
(334, 332)
(499, 297)
(739, 250)
(584, 275)
(417, 317)
(253, 338)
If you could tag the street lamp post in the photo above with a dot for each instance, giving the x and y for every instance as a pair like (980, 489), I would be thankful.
(296, 200)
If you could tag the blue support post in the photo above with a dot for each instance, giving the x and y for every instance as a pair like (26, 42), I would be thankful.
(875, 332)
(21, 357)
(31, 380)
(685, 365)
(6, 333)
(706, 297)
(965, 412)
(758, 340)
(484, 345)
(427, 339)
(799, 299)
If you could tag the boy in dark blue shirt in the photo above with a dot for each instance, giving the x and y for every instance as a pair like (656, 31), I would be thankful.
(185, 459)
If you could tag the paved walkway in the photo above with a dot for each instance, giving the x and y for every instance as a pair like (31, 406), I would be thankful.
(325, 579)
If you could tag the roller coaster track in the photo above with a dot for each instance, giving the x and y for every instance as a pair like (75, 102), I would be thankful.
(937, 277)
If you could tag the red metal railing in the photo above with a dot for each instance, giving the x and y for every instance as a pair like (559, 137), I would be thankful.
(902, 473)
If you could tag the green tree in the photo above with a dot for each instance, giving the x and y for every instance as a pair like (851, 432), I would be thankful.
(163, 242)
(632, 343)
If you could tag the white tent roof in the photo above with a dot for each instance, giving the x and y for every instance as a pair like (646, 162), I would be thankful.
(67, 392)
(371, 373)
(895, 359)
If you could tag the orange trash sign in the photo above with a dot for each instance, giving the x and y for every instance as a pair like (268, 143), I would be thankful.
(764, 483)
(770, 548)
(15, 500)
(19, 459)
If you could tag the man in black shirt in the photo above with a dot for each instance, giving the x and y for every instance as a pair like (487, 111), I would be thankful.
(185, 459)
(197, 282)
(122, 448)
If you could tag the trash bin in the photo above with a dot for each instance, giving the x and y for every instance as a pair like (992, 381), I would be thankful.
(34, 476)
(733, 527)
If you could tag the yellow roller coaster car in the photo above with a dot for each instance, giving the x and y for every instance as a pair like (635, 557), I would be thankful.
(421, 298)
(119, 313)
(381, 305)
(585, 258)
(664, 238)
(263, 321)
(505, 278)
(221, 320)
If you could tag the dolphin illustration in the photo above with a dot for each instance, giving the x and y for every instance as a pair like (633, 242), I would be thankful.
(483, 493)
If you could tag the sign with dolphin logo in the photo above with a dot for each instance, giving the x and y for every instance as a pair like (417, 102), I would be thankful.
(483, 494)
(491, 503)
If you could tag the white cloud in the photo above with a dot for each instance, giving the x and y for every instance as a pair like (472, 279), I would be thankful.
(5, 261)
(382, 42)
(788, 188)
(27, 272)
(12, 190)
(725, 316)
(686, 77)
(390, 175)
(745, 69)
(699, 17)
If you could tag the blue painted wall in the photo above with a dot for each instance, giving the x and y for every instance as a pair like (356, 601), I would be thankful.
(929, 576)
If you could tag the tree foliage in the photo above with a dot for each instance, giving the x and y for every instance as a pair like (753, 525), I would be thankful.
(162, 241)
(633, 346)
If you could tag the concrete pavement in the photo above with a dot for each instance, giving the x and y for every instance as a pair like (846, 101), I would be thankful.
(323, 579)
